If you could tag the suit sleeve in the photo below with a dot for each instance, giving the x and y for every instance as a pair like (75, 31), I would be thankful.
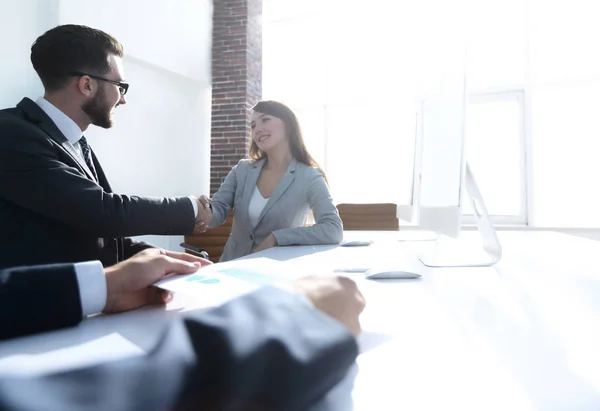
(222, 202)
(265, 351)
(33, 176)
(328, 228)
(37, 299)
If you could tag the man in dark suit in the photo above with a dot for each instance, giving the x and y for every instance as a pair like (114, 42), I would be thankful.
(54, 195)
(269, 350)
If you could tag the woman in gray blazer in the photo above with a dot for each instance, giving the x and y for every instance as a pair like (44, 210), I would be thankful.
(273, 191)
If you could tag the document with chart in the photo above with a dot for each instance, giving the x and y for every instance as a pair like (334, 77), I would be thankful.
(218, 283)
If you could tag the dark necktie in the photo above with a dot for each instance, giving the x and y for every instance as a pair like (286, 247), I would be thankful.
(86, 151)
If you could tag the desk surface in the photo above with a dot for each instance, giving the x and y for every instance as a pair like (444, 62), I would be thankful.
(524, 335)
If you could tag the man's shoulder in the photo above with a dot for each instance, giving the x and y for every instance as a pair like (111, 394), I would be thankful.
(14, 117)
(16, 128)
(11, 114)
(24, 113)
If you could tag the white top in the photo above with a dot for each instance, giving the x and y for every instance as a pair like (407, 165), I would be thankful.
(257, 203)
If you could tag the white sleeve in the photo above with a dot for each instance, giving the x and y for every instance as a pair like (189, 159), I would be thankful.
(92, 286)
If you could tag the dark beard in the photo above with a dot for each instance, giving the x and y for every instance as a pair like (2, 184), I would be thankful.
(98, 111)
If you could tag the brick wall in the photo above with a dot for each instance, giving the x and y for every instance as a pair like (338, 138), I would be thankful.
(237, 82)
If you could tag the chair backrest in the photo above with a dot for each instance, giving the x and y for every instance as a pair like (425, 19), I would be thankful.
(369, 216)
(213, 240)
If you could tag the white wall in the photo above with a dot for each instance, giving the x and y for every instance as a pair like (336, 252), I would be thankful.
(160, 144)
(20, 24)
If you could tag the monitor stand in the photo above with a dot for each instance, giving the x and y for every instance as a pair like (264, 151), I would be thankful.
(467, 251)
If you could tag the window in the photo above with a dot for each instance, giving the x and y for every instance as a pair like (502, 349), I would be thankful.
(565, 84)
(495, 150)
(565, 148)
(349, 72)
(349, 83)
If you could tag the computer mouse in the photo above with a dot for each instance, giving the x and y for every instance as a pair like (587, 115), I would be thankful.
(356, 243)
(390, 274)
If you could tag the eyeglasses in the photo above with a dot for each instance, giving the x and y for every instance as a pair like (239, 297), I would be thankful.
(123, 87)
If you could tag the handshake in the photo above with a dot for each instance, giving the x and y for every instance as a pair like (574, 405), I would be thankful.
(204, 216)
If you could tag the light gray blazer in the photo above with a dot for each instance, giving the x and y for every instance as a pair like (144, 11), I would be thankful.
(302, 188)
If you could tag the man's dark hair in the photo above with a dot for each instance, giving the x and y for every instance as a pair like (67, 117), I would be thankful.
(60, 51)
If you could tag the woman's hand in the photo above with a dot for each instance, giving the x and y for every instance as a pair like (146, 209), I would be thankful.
(269, 242)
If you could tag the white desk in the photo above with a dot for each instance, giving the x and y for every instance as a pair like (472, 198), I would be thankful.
(524, 335)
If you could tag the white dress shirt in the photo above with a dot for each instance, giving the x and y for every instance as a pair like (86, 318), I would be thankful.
(65, 124)
(90, 275)
(92, 286)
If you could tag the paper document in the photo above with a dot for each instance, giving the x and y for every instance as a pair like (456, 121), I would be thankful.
(219, 283)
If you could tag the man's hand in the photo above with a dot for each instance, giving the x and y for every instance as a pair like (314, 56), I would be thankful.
(204, 216)
(129, 284)
(269, 242)
(336, 296)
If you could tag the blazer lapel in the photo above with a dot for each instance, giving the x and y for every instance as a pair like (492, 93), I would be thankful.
(37, 115)
(102, 180)
(283, 185)
(251, 179)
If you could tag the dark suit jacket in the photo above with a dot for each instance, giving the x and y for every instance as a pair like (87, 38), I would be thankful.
(268, 350)
(53, 211)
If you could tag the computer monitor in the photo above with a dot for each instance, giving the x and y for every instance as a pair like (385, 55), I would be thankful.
(442, 174)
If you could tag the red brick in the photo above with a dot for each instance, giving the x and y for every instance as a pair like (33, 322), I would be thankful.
(237, 82)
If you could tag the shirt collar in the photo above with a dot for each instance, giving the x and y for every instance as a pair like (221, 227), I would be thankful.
(65, 124)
